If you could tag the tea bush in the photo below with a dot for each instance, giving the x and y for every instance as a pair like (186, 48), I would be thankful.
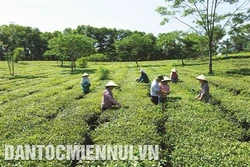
(43, 104)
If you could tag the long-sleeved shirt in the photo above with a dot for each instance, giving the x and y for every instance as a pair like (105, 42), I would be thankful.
(143, 78)
(164, 89)
(155, 88)
(85, 84)
(84, 80)
(204, 92)
(108, 100)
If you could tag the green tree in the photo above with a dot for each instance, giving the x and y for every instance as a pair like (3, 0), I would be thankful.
(169, 44)
(240, 38)
(10, 42)
(105, 39)
(70, 47)
(1, 51)
(189, 47)
(135, 47)
(31, 39)
(18, 54)
(205, 16)
(225, 47)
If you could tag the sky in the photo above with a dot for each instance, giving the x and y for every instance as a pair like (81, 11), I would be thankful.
(52, 15)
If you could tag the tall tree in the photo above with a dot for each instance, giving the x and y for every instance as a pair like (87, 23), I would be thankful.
(225, 47)
(1, 51)
(31, 39)
(10, 42)
(70, 47)
(18, 54)
(169, 44)
(240, 38)
(206, 15)
(134, 47)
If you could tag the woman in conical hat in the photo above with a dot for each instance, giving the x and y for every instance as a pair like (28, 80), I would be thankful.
(204, 91)
(143, 77)
(107, 98)
(174, 76)
(85, 83)
(165, 90)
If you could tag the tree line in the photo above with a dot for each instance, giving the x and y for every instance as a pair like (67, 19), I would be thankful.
(112, 44)
(208, 27)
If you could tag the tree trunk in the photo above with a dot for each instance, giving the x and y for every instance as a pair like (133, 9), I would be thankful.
(72, 66)
(9, 63)
(13, 67)
(182, 61)
(61, 63)
(137, 63)
(210, 57)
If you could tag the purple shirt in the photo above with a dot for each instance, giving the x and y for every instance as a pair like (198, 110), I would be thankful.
(108, 100)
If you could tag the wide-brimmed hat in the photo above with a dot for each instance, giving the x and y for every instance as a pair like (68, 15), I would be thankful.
(174, 70)
(85, 75)
(201, 77)
(166, 79)
(111, 83)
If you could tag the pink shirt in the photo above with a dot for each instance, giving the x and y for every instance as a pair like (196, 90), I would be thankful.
(164, 88)
(108, 100)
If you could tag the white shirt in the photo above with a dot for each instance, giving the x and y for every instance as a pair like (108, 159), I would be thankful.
(154, 88)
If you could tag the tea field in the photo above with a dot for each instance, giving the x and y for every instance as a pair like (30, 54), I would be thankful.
(43, 104)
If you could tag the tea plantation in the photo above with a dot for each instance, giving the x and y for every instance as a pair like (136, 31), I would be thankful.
(43, 104)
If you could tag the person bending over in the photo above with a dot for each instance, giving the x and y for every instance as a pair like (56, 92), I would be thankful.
(107, 98)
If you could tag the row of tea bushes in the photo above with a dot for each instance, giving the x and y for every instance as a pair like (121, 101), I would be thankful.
(53, 115)
(133, 124)
(200, 135)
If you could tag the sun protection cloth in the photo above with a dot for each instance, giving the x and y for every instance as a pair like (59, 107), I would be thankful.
(165, 79)
(201, 77)
(111, 83)
(174, 70)
(85, 75)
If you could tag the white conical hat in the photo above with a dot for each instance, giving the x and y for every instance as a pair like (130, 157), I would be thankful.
(201, 77)
(174, 70)
(111, 83)
(85, 74)
(165, 79)
(141, 70)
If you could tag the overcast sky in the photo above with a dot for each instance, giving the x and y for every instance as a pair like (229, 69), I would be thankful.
(51, 15)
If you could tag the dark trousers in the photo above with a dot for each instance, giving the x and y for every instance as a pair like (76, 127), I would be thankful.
(104, 108)
(154, 99)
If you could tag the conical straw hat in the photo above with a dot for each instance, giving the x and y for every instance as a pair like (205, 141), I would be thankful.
(166, 79)
(141, 70)
(85, 74)
(201, 77)
(174, 70)
(111, 83)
